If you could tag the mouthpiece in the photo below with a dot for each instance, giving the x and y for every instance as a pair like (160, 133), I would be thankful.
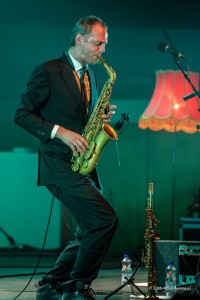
(151, 187)
(100, 60)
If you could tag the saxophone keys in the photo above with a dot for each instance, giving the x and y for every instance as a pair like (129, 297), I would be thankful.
(91, 151)
(85, 164)
(75, 167)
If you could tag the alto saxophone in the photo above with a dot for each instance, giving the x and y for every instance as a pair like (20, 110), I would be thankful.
(96, 132)
(150, 236)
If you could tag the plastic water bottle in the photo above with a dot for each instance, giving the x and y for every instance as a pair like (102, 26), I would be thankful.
(170, 280)
(126, 270)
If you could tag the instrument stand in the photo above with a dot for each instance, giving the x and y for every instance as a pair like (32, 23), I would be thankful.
(130, 282)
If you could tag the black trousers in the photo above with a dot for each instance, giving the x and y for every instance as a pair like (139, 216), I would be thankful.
(97, 222)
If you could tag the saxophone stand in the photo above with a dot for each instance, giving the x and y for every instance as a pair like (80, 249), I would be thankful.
(130, 282)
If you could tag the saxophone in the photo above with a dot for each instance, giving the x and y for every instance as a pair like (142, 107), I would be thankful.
(150, 236)
(96, 132)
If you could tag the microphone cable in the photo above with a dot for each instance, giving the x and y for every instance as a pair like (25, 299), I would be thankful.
(121, 127)
(42, 251)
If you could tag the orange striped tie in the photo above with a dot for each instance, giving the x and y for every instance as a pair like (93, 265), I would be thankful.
(83, 88)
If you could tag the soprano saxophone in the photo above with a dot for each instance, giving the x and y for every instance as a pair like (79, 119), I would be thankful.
(150, 236)
(96, 132)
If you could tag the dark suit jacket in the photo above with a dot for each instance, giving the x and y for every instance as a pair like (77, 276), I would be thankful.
(53, 97)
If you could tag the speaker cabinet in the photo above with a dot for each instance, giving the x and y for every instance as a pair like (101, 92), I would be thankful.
(165, 251)
(184, 254)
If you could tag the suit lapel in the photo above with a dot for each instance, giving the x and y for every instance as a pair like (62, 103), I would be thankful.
(68, 77)
(93, 88)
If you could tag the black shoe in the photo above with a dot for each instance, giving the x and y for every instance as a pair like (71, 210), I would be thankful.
(86, 293)
(45, 292)
(68, 296)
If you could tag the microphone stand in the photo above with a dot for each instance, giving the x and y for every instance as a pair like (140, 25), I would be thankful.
(188, 79)
(176, 61)
(14, 245)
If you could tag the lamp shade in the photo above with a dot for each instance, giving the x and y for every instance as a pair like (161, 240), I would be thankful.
(167, 110)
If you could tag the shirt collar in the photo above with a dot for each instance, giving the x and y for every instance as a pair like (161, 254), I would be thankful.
(77, 65)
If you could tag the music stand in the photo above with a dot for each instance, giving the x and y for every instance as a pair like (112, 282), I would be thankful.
(129, 281)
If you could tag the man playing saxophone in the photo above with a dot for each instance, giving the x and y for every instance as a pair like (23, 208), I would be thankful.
(55, 108)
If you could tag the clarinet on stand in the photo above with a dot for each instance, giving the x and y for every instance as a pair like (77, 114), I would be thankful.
(150, 236)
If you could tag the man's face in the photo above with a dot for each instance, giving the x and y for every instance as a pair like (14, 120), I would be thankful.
(93, 44)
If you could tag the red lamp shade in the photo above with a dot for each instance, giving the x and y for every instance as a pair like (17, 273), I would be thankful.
(167, 110)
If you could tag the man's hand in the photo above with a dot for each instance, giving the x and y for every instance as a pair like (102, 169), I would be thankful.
(75, 141)
(107, 116)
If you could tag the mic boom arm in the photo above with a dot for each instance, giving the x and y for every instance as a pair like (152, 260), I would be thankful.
(189, 96)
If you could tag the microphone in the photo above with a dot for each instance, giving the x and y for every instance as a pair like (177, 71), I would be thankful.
(164, 47)
(192, 95)
(124, 118)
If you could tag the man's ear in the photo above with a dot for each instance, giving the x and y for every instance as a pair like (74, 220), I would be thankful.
(79, 39)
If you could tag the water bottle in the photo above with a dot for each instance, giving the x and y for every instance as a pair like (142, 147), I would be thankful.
(126, 270)
(170, 280)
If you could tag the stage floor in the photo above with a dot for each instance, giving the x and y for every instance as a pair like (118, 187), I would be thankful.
(14, 280)
(17, 281)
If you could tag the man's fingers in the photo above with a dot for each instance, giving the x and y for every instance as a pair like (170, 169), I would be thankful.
(113, 106)
(80, 147)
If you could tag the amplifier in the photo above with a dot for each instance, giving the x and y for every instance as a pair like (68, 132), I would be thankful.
(165, 251)
(184, 254)
(189, 260)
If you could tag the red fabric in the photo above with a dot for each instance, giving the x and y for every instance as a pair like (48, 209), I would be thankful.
(167, 110)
